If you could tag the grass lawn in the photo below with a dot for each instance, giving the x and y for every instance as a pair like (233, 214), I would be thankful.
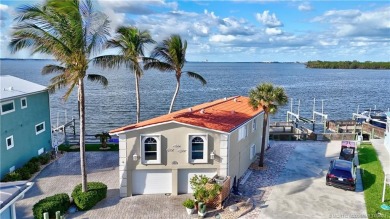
(373, 176)
(89, 147)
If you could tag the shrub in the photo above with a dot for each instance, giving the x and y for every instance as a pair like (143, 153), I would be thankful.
(44, 158)
(34, 159)
(201, 192)
(97, 191)
(12, 176)
(59, 202)
(33, 166)
(24, 173)
(189, 203)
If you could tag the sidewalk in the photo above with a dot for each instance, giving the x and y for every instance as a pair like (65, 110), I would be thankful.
(383, 154)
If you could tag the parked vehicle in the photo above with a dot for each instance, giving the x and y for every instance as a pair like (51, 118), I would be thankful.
(342, 174)
(347, 151)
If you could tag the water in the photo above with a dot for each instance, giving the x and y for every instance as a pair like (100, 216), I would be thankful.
(342, 90)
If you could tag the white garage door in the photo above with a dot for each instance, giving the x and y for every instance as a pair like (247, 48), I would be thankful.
(151, 181)
(186, 174)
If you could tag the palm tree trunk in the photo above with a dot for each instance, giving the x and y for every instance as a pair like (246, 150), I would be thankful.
(265, 123)
(175, 94)
(137, 95)
(82, 136)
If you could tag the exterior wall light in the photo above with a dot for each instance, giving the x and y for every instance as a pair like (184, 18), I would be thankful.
(135, 157)
(212, 155)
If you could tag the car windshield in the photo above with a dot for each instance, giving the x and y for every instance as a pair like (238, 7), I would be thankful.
(347, 150)
(341, 173)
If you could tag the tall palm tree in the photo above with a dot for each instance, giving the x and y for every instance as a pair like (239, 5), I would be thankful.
(70, 31)
(170, 55)
(131, 43)
(269, 98)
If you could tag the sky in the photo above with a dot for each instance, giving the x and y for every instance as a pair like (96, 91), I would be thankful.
(246, 30)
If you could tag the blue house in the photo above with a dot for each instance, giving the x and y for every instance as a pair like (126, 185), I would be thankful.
(25, 122)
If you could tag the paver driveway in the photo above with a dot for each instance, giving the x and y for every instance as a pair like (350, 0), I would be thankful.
(64, 174)
(293, 186)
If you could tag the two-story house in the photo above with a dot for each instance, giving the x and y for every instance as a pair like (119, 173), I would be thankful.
(161, 155)
(25, 122)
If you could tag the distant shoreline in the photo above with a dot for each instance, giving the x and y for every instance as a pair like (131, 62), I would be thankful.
(348, 65)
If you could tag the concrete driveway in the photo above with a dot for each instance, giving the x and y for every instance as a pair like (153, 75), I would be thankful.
(300, 191)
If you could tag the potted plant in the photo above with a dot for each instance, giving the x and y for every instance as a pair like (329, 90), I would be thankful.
(201, 193)
(190, 206)
(104, 136)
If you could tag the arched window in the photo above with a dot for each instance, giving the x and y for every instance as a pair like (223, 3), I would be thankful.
(197, 149)
(151, 149)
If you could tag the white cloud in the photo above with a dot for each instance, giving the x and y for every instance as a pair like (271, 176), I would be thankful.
(137, 7)
(222, 38)
(273, 31)
(328, 42)
(305, 7)
(354, 23)
(269, 20)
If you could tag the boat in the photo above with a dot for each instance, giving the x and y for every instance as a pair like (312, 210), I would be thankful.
(374, 117)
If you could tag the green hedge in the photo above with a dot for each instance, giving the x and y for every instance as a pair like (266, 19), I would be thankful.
(97, 191)
(44, 158)
(52, 204)
(31, 167)
(12, 176)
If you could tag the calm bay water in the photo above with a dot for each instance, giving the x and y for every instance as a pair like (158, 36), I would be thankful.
(342, 90)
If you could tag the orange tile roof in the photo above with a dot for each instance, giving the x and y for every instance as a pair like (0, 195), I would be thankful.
(222, 115)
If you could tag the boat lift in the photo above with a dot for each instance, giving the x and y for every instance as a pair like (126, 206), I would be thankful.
(356, 116)
(295, 117)
(59, 131)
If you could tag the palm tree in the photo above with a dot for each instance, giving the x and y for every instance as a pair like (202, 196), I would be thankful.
(170, 55)
(131, 43)
(104, 136)
(70, 31)
(269, 98)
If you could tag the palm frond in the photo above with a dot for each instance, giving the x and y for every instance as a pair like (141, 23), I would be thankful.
(98, 78)
(109, 61)
(152, 63)
(197, 77)
(48, 69)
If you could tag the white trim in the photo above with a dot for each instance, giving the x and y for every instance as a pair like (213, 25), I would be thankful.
(21, 102)
(40, 151)
(204, 137)
(157, 137)
(164, 123)
(228, 158)
(242, 132)
(12, 142)
(20, 196)
(252, 154)
(23, 95)
(254, 124)
(40, 131)
(9, 111)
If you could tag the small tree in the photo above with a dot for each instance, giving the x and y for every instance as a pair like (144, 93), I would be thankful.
(201, 193)
(103, 138)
